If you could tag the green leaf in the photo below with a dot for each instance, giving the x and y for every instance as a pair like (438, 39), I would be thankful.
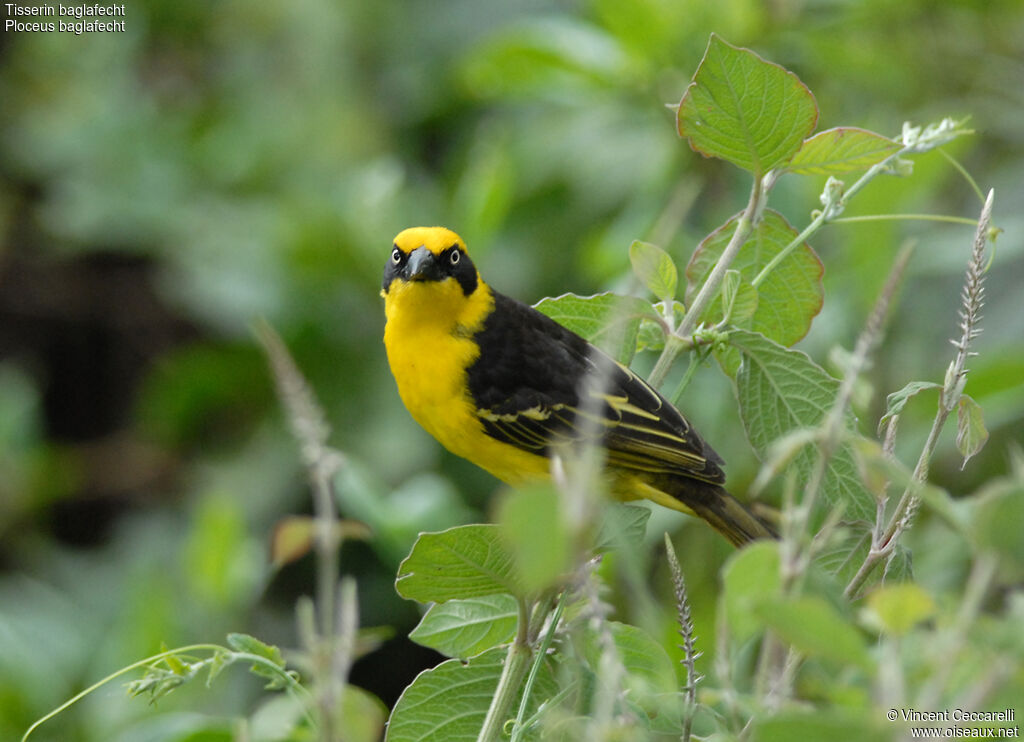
(174, 664)
(896, 609)
(970, 428)
(739, 299)
(846, 550)
(814, 627)
(750, 576)
(251, 645)
(217, 664)
(780, 390)
(649, 668)
(896, 401)
(655, 269)
(621, 526)
(462, 562)
(744, 110)
(448, 703)
(652, 332)
(535, 530)
(841, 150)
(464, 628)
(786, 300)
(609, 321)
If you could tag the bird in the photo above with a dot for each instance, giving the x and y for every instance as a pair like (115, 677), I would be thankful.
(499, 383)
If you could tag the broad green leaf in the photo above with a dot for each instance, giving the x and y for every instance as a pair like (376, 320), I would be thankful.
(448, 703)
(750, 576)
(896, 609)
(621, 525)
(534, 528)
(655, 268)
(780, 390)
(847, 550)
(970, 428)
(462, 562)
(787, 299)
(832, 724)
(744, 110)
(841, 150)
(815, 627)
(896, 401)
(464, 628)
(609, 321)
(649, 668)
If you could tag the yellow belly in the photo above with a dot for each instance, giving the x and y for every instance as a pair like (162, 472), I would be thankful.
(429, 359)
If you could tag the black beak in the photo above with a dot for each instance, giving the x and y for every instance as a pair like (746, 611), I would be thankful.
(422, 266)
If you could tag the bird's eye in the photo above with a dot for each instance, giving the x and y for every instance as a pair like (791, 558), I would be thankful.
(396, 256)
(454, 256)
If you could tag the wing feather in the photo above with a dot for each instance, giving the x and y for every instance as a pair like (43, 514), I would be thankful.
(526, 386)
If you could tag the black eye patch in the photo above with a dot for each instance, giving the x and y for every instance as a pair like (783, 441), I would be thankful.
(455, 263)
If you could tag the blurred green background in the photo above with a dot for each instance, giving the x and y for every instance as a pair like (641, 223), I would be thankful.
(220, 162)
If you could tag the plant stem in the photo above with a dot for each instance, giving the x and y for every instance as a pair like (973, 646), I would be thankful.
(695, 360)
(826, 215)
(952, 390)
(707, 292)
(674, 341)
(292, 684)
(519, 728)
(904, 217)
(673, 346)
(517, 662)
(886, 543)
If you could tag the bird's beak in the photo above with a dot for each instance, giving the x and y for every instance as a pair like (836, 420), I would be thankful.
(422, 266)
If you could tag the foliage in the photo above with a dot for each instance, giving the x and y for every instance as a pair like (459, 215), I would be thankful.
(787, 596)
(245, 161)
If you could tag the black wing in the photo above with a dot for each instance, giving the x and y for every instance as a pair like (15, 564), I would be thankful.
(539, 387)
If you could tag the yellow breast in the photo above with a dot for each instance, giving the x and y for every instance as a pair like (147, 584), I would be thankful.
(428, 338)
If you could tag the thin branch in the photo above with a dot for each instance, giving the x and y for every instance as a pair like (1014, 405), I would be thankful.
(520, 727)
(679, 340)
(952, 389)
(947, 218)
(744, 227)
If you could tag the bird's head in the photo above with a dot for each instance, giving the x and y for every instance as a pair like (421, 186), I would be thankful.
(429, 272)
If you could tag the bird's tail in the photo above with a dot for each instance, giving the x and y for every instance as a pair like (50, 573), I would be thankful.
(714, 504)
(729, 516)
(708, 501)
(725, 513)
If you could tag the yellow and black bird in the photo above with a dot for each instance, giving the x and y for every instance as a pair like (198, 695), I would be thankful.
(499, 383)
